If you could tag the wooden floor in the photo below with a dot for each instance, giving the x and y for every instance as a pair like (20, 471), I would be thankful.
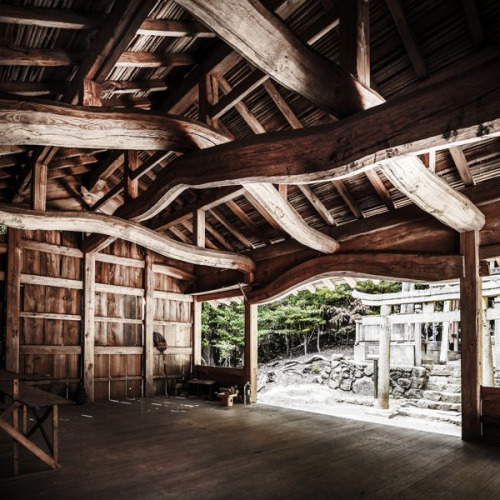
(187, 449)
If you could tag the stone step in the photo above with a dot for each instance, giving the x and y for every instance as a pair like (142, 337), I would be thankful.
(436, 416)
(444, 396)
(438, 379)
(432, 405)
(430, 386)
(444, 371)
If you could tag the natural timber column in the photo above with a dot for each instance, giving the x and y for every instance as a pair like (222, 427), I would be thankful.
(384, 359)
(487, 349)
(89, 325)
(251, 347)
(196, 337)
(471, 332)
(14, 261)
(149, 317)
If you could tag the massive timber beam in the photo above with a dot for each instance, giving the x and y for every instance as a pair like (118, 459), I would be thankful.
(289, 220)
(266, 42)
(37, 122)
(457, 111)
(263, 39)
(20, 218)
(405, 267)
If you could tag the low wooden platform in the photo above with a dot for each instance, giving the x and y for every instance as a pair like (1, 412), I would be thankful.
(163, 448)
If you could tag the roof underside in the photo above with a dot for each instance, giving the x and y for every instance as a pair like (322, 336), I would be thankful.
(440, 30)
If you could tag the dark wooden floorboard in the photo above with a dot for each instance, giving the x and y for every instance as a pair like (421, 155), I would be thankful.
(162, 448)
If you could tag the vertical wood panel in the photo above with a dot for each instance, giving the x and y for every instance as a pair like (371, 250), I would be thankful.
(13, 299)
(196, 337)
(149, 315)
(89, 325)
(471, 325)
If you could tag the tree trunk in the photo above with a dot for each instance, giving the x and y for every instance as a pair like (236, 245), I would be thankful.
(305, 344)
(318, 335)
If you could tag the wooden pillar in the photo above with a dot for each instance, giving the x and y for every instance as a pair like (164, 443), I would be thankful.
(384, 359)
(471, 325)
(208, 96)
(90, 93)
(13, 291)
(196, 337)
(39, 186)
(497, 336)
(251, 348)
(15, 424)
(199, 228)
(487, 350)
(131, 164)
(55, 433)
(354, 28)
(445, 335)
(417, 327)
(149, 316)
(89, 325)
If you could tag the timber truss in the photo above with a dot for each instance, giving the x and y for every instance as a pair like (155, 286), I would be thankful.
(265, 143)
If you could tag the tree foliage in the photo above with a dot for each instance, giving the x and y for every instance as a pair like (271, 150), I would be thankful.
(288, 325)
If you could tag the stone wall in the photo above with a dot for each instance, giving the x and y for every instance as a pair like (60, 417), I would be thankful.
(351, 376)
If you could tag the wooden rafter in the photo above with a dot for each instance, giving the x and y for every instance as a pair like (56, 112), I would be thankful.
(462, 166)
(408, 37)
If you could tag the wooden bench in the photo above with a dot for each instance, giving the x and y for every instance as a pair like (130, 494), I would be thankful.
(490, 413)
(27, 397)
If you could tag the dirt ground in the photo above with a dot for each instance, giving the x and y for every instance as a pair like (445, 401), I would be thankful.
(281, 385)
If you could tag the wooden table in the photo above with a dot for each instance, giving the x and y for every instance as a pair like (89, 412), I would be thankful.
(26, 397)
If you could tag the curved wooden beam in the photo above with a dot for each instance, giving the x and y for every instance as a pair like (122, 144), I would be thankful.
(433, 195)
(289, 220)
(20, 218)
(466, 109)
(407, 267)
(46, 123)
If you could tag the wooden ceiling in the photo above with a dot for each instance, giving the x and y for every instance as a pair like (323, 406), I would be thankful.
(294, 68)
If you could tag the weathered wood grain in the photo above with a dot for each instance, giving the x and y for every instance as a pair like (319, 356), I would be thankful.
(405, 267)
(54, 124)
(264, 40)
(21, 218)
(442, 115)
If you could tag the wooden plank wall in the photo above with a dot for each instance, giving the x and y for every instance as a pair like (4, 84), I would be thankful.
(51, 315)
(47, 344)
